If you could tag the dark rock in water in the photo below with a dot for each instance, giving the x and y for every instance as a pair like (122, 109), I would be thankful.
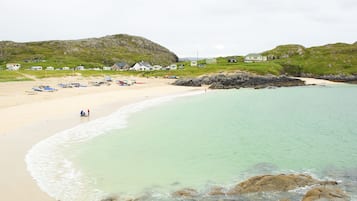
(323, 193)
(238, 80)
(268, 183)
(186, 193)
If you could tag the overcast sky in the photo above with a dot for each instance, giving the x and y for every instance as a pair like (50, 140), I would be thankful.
(186, 27)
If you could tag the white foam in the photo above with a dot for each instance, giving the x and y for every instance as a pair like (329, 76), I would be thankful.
(55, 173)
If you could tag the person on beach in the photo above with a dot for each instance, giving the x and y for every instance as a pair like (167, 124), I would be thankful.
(88, 112)
(82, 113)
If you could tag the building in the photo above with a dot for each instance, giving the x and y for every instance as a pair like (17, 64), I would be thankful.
(120, 66)
(142, 66)
(193, 63)
(173, 67)
(80, 68)
(232, 60)
(157, 67)
(50, 68)
(36, 68)
(251, 58)
(107, 68)
(65, 68)
(13, 66)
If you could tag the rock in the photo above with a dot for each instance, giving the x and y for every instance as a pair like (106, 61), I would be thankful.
(186, 192)
(326, 194)
(267, 183)
(216, 191)
(238, 80)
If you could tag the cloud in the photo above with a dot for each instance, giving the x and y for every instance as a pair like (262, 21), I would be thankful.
(211, 27)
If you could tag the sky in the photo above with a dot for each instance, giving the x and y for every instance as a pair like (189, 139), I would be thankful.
(189, 28)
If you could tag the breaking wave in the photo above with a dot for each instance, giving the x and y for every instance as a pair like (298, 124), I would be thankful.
(55, 173)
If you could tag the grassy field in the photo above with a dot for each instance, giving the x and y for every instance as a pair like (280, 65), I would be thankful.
(9, 76)
(222, 65)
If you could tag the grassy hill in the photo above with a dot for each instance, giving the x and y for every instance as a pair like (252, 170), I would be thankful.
(92, 52)
(335, 59)
(339, 58)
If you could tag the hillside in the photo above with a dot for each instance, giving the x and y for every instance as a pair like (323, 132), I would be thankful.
(92, 52)
(339, 58)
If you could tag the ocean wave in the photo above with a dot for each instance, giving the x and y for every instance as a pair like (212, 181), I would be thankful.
(55, 173)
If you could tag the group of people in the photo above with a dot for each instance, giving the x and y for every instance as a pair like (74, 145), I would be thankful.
(84, 114)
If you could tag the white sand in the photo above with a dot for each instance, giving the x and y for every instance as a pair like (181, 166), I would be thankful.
(313, 81)
(27, 119)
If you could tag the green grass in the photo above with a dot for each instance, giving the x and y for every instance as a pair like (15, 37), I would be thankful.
(9, 76)
(336, 58)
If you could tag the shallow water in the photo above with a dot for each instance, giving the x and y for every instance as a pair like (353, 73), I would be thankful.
(217, 138)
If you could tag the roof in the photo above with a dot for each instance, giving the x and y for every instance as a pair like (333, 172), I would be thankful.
(253, 55)
(146, 64)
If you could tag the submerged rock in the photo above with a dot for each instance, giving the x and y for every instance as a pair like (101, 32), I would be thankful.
(216, 191)
(268, 183)
(186, 193)
(326, 194)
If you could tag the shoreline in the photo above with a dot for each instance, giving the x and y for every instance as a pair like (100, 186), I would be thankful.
(29, 119)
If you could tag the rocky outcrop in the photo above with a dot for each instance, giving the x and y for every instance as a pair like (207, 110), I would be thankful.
(239, 80)
(268, 183)
(325, 193)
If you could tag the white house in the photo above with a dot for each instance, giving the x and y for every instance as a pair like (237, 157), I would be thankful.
(50, 68)
(36, 68)
(250, 58)
(142, 66)
(65, 68)
(13, 66)
(107, 68)
(157, 67)
(80, 68)
(173, 67)
(193, 63)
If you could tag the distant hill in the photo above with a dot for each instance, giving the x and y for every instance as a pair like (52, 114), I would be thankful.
(92, 52)
(339, 58)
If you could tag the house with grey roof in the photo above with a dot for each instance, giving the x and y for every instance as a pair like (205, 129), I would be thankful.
(251, 58)
(120, 66)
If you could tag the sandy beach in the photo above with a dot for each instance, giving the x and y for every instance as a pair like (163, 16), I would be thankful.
(29, 118)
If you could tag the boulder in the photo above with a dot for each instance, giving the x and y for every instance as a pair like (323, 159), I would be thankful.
(326, 194)
(268, 183)
(185, 193)
(216, 191)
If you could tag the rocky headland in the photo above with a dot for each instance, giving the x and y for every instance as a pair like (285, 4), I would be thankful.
(282, 186)
(240, 80)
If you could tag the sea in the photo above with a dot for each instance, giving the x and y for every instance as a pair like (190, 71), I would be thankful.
(201, 140)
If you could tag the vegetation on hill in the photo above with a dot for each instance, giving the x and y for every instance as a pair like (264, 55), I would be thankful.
(332, 59)
(339, 58)
(93, 52)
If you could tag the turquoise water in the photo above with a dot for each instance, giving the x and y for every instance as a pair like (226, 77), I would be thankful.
(224, 137)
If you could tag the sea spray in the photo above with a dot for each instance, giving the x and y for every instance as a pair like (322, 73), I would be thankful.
(54, 172)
